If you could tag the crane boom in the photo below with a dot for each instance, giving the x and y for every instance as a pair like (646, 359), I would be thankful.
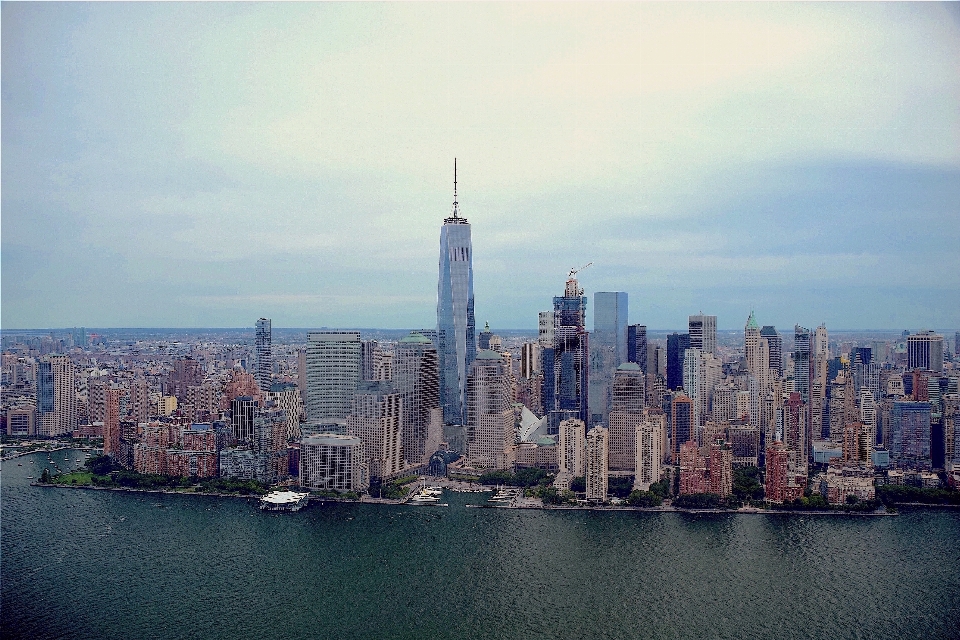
(574, 272)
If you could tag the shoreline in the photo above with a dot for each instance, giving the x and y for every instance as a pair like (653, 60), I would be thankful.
(529, 507)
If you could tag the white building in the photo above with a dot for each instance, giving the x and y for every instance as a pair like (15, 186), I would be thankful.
(571, 447)
(333, 371)
(491, 432)
(331, 462)
(650, 450)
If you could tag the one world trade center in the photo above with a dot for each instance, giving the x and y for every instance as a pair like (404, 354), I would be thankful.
(456, 327)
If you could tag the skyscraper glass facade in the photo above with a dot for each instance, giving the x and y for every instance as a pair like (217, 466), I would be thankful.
(456, 327)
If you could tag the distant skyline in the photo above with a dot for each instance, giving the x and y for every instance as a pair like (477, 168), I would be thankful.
(205, 165)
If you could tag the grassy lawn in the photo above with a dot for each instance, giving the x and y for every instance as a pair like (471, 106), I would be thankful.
(74, 477)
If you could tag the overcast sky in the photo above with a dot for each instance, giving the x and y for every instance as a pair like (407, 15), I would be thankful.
(205, 164)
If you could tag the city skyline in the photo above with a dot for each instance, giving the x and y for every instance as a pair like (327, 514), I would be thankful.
(199, 166)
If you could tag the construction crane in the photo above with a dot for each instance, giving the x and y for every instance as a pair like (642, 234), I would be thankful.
(574, 272)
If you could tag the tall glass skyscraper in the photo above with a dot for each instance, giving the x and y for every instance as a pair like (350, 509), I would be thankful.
(608, 349)
(456, 327)
(566, 378)
(264, 340)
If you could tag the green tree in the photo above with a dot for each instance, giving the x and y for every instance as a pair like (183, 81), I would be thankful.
(45, 476)
(644, 499)
(578, 484)
(99, 465)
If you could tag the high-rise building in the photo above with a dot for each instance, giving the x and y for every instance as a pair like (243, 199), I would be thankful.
(483, 340)
(416, 378)
(910, 435)
(186, 373)
(571, 443)
(626, 415)
(286, 396)
(682, 424)
(139, 405)
(720, 466)
(596, 472)
(701, 374)
(794, 421)
(703, 333)
(264, 346)
(925, 351)
(371, 359)
(566, 379)
(775, 347)
(608, 348)
(491, 432)
(333, 372)
(56, 396)
(650, 445)
(529, 360)
(677, 345)
(637, 347)
(330, 462)
(802, 347)
(243, 414)
(456, 326)
(375, 419)
(111, 422)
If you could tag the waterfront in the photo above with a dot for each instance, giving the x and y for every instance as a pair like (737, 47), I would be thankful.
(103, 564)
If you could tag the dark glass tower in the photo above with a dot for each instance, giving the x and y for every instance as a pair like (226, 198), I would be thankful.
(565, 384)
(456, 327)
(775, 343)
(264, 340)
(637, 345)
(677, 345)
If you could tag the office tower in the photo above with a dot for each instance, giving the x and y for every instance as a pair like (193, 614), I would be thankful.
(775, 346)
(650, 448)
(111, 422)
(626, 416)
(821, 341)
(610, 323)
(371, 358)
(264, 340)
(724, 402)
(608, 349)
(21, 421)
(596, 473)
(682, 425)
(302, 371)
(802, 340)
(455, 322)
(566, 378)
(720, 468)
(703, 333)
(330, 462)
(491, 432)
(951, 430)
(546, 329)
(701, 374)
(925, 351)
(910, 435)
(868, 414)
(571, 443)
(375, 419)
(637, 346)
(416, 378)
(333, 372)
(286, 397)
(483, 340)
(139, 405)
(529, 360)
(677, 345)
(243, 413)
